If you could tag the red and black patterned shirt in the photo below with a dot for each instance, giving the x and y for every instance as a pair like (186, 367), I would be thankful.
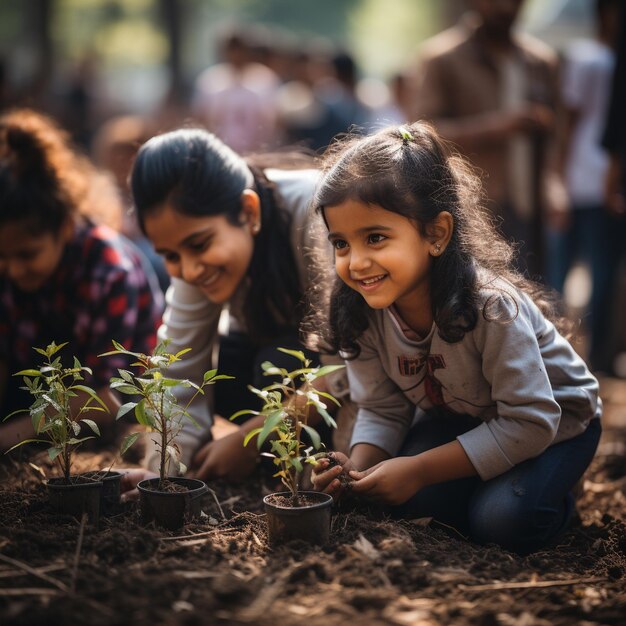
(101, 290)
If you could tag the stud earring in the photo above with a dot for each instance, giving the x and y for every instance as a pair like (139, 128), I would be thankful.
(437, 248)
(256, 228)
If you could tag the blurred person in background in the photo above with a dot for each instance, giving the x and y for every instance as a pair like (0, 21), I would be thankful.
(588, 66)
(236, 98)
(323, 100)
(494, 93)
(63, 278)
(614, 141)
(114, 148)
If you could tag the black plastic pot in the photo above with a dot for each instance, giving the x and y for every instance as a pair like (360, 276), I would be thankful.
(110, 494)
(80, 496)
(310, 522)
(171, 509)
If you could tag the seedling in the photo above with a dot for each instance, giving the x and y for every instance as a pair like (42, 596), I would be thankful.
(55, 411)
(157, 407)
(287, 405)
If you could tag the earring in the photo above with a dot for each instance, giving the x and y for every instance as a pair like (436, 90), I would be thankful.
(437, 248)
(256, 228)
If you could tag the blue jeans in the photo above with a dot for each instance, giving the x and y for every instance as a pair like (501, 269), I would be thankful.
(521, 510)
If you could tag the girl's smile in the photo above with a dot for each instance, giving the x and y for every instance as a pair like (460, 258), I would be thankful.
(383, 256)
(205, 251)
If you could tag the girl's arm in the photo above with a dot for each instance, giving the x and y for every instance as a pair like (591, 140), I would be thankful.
(394, 481)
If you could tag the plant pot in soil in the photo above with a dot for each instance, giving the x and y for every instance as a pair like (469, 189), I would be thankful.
(309, 522)
(110, 494)
(80, 496)
(171, 509)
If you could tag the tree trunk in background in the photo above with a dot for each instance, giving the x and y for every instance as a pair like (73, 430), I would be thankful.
(39, 14)
(172, 15)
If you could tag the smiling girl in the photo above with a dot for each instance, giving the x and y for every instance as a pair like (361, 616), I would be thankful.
(62, 277)
(473, 408)
(233, 236)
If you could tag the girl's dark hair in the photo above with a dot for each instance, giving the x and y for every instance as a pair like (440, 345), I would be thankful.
(42, 180)
(198, 175)
(411, 171)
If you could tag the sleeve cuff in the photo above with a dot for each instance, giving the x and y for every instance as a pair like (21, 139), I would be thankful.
(382, 433)
(484, 452)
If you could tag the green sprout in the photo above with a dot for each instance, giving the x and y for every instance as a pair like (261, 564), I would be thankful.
(157, 407)
(286, 409)
(54, 412)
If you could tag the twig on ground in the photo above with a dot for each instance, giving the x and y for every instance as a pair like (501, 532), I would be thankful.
(31, 570)
(29, 591)
(533, 584)
(79, 545)
(219, 506)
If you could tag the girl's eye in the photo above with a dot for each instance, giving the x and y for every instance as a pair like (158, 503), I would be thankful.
(200, 246)
(339, 244)
(375, 238)
(170, 257)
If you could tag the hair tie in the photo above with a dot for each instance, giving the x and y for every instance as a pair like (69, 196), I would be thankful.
(406, 135)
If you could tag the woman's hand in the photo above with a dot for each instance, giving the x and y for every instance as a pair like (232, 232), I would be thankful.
(393, 481)
(226, 457)
(327, 474)
(129, 480)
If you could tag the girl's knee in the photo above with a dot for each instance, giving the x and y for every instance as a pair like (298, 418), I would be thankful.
(516, 525)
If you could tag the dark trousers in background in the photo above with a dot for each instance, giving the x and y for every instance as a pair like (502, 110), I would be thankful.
(599, 239)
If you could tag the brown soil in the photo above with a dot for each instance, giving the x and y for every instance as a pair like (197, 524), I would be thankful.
(219, 570)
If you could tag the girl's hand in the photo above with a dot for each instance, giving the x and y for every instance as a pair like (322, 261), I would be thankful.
(392, 481)
(226, 457)
(325, 475)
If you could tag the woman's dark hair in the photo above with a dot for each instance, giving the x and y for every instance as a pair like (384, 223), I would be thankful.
(412, 172)
(198, 175)
(42, 180)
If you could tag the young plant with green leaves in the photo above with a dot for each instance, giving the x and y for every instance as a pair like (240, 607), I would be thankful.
(287, 408)
(155, 405)
(60, 401)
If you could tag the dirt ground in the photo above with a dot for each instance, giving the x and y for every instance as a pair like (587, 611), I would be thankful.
(377, 571)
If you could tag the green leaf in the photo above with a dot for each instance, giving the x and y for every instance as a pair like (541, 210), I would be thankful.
(315, 438)
(295, 353)
(28, 373)
(21, 443)
(250, 435)
(125, 388)
(126, 375)
(73, 441)
(12, 413)
(280, 449)
(326, 416)
(181, 352)
(243, 412)
(269, 369)
(328, 396)
(125, 408)
(328, 369)
(92, 425)
(209, 374)
(53, 453)
(92, 394)
(128, 442)
(220, 377)
(140, 414)
(270, 423)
